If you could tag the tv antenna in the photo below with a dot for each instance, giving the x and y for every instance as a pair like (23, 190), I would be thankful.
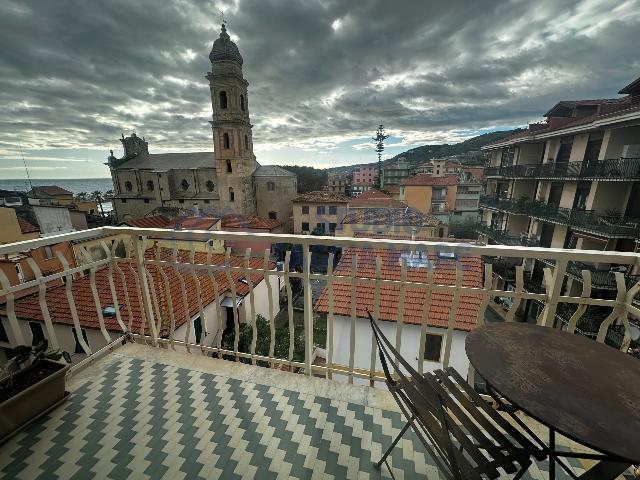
(222, 19)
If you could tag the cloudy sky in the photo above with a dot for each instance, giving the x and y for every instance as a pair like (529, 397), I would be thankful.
(74, 74)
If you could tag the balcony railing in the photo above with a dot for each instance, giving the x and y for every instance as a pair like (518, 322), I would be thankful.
(585, 220)
(504, 238)
(613, 169)
(170, 289)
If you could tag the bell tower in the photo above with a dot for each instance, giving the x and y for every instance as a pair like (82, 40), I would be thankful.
(232, 139)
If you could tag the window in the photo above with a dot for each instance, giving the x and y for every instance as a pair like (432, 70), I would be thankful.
(48, 252)
(223, 99)
(206, 200)
(229, 169)
(273, 215)
(246, 142)
(320, 210)
(78, 348)
(184, 184)
(197, 328)
(271, 186)
(333, 210)
(210, 186)
(305, 226)
(37, 334)
(3, 333)
(305, 209)
(320, 227)
(146, 200)
(225, 140)
(180, 201)
(332, 228)
(242, 102)
(150, 185)
(124, 200)
(128, 185)
(232, 197)
(432, 347)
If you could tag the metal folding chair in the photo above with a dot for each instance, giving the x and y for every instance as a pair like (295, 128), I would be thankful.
(463, 434)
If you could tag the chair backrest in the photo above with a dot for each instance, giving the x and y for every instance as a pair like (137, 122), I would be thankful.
(420, 399)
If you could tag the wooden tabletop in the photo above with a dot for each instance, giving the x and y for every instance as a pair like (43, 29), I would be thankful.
(588, 391)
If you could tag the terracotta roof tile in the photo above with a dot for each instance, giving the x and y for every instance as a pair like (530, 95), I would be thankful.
(52, 190)
(321, 196)
(27, 227)
(193, 223)
(391, 217)
(233, 220)
(153, 221)
(28, 308)
(375, 198)
(440, 305)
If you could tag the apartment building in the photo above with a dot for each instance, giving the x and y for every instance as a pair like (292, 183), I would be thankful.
(318, 211)
(363, 179)
(439, 167)
(451, 198)
(395, 172)
(339, 182)
(572, 181)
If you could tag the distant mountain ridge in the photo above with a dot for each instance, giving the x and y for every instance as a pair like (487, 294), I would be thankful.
(424, 153)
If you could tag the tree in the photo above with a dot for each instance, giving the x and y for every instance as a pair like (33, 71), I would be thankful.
(379, 139)
(108, 195)
(82, 196)
(98, 198)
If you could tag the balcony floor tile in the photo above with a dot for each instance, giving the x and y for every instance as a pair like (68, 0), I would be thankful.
(133, 415)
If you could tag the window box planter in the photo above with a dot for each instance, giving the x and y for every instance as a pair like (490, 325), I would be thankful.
(35, 390)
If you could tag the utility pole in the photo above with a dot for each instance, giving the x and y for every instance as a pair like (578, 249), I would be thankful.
(379, 148)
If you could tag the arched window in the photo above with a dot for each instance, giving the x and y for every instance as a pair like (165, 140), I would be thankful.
(225, 140)
(229, 169)
(242, 102)
(246, 142)
(271, 186)
(150, 185)
(128, 185)
(184, 184)
(223, 99)
(210, 185)
(231, 195)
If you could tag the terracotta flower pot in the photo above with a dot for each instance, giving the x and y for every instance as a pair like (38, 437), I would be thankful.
(34, 401)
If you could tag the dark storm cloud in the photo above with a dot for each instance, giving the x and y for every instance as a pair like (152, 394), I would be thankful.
(78, 73)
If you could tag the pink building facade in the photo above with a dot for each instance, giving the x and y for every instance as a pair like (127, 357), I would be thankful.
(365, 176)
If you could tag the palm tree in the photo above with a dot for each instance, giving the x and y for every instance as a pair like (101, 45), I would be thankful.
(98, 198)
(108, 195)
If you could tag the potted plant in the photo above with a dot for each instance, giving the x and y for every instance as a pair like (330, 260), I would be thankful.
(29, 392)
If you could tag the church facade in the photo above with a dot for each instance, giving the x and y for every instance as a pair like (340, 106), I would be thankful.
(227, 180)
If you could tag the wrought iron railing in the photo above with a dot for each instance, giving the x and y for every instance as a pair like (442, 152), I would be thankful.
(504, 238)
(173, 289)
(585, 220)
(612, 169)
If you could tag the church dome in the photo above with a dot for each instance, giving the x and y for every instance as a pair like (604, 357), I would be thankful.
(225, 49)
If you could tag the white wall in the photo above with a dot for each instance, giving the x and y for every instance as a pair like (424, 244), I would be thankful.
(64, 334)
(53, 220)
(409, 349)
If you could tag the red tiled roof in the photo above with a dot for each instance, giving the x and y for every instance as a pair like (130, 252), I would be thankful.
(375, 198)
(393, 188)
(233, 220)
(52, 190)
(193, 223)
(424, 179)
(28, 308)
(321, 196)
(27, 227)
(407, 236)
(390, 217)
(444, 273)
(153, 221)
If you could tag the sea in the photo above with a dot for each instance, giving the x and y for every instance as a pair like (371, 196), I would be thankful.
(75, 185)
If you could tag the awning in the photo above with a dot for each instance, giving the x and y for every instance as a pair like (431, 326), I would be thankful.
(228, 301)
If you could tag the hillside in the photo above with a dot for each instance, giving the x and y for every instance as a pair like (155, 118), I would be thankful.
(426, 152)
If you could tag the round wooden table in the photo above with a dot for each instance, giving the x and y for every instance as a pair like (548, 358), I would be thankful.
(585, 390)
